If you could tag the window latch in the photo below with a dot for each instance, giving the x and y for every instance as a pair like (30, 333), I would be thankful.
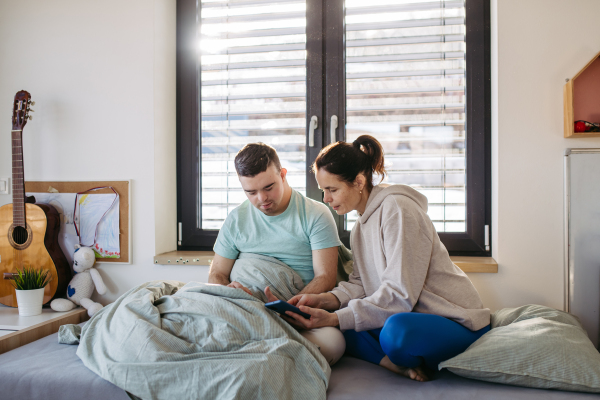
(487, 238)
(179, 233)
(334, 125)
(314, 123)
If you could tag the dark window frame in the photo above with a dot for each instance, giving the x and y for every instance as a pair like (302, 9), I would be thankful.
(325, 40)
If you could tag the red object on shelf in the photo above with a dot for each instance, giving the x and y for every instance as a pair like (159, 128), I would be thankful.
(580, 126)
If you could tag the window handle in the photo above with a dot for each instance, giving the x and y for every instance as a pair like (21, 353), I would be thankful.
(314, 123)
(334, 125)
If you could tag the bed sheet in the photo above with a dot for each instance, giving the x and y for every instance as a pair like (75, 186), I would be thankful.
(47, 370)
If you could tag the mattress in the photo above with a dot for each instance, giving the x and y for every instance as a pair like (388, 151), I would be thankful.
(45, 369)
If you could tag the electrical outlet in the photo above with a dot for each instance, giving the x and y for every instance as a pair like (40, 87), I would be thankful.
(4, 185)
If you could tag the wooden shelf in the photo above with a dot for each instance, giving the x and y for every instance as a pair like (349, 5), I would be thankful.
(581, 96)
(18, 331)
(467, 264)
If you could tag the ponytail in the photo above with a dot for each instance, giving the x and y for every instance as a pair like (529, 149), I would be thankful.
(373, 150)
(364, 155)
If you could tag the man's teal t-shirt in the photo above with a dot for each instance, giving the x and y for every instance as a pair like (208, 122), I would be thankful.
(290, 237)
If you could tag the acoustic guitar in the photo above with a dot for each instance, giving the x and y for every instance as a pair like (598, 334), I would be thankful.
(28, 232)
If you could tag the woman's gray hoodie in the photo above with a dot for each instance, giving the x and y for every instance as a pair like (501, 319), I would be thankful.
(400, 265)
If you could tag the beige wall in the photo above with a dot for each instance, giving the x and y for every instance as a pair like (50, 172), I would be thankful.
(536, 45)
(102, 74)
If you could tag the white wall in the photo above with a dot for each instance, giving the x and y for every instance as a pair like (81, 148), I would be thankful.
(102, 74)
(537, 44)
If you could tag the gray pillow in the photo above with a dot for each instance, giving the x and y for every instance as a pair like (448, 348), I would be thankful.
(507, 316)
(549, 351)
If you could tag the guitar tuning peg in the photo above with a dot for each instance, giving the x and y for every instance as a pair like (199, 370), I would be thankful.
(30, 110)
(30, 117)
(32, 103)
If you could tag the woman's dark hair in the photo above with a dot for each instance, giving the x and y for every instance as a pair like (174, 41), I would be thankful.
(255, 158)
(347, 160)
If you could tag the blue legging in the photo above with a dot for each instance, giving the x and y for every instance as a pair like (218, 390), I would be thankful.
(411, 339)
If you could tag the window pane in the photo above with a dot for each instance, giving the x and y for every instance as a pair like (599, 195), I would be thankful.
(253, 89)
(405, 85)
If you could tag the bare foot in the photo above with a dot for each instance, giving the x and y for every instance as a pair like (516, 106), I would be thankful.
(417, 374)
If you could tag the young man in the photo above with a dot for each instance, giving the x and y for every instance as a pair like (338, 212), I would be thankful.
(278, 221)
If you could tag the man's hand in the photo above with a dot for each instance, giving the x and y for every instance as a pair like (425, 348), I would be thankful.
(270, 296)
(318, 318)
(238, 285)
(220, 268)
(325, 268)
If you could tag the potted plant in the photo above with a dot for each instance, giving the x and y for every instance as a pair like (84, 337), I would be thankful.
(29, 284)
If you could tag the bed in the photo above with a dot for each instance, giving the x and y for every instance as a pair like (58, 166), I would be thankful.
(47, 370)
(169, 339)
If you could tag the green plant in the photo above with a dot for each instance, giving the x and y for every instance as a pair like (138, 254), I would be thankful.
(30, 278)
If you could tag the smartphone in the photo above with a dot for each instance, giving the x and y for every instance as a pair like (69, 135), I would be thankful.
(281, 307)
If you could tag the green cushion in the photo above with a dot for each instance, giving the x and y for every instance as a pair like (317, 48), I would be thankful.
(532, 346)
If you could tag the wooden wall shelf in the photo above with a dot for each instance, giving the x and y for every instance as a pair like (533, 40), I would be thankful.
(581, 96)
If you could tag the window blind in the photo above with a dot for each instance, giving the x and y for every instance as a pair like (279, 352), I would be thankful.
(405, 85)
(253, 89)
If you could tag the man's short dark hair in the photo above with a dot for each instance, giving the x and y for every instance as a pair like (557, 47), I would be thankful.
(255, 158)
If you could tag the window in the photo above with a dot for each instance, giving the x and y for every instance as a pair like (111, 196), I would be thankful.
(414, 74)
(252, 89)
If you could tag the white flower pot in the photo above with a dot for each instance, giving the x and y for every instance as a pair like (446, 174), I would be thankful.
(30, 302)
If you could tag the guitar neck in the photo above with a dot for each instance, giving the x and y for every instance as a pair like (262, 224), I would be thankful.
(18, 179)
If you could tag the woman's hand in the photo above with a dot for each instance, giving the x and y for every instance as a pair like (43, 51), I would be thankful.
(326, 301)
(303, 323)
(318, 318)
(309, 300)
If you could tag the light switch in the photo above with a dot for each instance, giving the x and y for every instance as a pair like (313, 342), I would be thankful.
(4, 186)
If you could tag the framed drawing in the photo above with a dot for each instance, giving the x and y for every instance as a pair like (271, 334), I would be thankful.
(113, 244)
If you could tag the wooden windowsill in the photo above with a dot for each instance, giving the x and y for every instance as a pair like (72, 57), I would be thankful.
(184, 258)
(467, 264)
(476, 264)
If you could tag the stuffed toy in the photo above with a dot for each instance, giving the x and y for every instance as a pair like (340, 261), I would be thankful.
(82, 285)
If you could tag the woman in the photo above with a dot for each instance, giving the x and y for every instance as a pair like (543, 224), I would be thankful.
(406, 305)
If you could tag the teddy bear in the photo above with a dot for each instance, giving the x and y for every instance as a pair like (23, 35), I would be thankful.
(82, 285)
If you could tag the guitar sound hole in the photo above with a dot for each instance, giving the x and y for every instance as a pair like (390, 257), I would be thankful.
(20, 235)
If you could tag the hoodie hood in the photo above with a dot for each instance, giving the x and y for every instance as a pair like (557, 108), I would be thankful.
(380, 192)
